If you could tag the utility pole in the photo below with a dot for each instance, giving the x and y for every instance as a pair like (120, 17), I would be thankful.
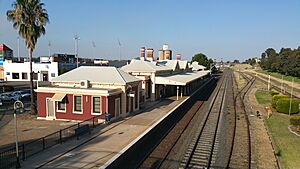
(94, 46)
(49, 48)
(290, 109)
(269, 81)
(281, 86)
(76, 38)
(19, 59)
(120, 52)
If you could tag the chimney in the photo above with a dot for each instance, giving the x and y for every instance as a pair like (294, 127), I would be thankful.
(178, 56)
(150, 54)
(142, 51)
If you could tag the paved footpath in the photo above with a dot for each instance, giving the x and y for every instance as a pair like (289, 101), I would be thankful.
(103, 143)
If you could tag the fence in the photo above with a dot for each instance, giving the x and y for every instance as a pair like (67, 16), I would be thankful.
(8, 157)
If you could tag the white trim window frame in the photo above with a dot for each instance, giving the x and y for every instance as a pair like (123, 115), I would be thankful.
(74, 104)
(92, 106)
(62, 102)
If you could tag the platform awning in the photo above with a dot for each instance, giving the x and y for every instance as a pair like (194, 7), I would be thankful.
(58, 97)
(181, 79)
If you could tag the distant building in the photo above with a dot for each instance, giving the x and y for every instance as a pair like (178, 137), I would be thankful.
(63, 58)
(5, 53)
(20, 71)
(165, 53)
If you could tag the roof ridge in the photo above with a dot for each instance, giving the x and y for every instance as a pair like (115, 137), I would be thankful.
(120, 75)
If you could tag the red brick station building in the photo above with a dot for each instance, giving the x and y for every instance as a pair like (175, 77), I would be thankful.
(88, 91)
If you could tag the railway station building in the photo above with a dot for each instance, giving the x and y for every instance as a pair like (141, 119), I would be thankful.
(88, 91)
(163, 78)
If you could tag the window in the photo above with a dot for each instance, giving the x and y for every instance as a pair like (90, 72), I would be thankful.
(61, 106)
(52, 74)
(96, 105)
(77, 104)
(15, 76)
(24, 75)
(35, 76)
(7, 73)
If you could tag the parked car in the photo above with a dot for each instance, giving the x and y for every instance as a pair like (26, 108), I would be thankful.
(25, 93)
(22, 93)
(9, 97)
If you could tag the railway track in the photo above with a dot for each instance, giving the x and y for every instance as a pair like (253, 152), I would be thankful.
(161, 156)
(240, 154)
(203, 148)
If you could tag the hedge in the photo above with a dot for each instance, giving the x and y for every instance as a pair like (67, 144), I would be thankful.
(276, 97)
(283, 106)
(295, 120)
(272, 93)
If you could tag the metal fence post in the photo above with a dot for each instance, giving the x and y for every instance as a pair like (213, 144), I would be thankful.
(93, 122)
(23, 152)
(43, 143)
(60, 137)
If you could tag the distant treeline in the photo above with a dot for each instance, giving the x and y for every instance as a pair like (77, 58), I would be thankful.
(286, 62)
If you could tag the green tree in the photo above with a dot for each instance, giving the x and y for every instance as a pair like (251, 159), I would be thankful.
(236, 61)
(29, 18)
(202, 60)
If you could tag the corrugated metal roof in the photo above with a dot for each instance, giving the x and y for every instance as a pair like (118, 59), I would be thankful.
(183, 64)
(180, 79)
(144, 66)
(196, 66)
(173, 64)
(96, 74)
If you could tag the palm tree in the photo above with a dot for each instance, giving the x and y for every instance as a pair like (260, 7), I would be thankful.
(29, 18)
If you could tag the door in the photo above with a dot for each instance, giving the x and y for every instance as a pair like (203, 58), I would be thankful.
(49, 109)
(117, 107)
(45, 76)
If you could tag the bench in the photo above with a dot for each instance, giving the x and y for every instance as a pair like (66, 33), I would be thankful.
(82, 130)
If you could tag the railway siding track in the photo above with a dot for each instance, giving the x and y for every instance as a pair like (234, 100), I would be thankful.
(240, 155)
(276, 86)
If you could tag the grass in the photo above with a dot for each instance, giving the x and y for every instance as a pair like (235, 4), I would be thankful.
(278, 75)
(287, 144)
(263, 97)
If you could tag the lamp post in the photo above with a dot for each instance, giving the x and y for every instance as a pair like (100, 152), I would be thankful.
(18, 105)
(290, 109)
(19, 59)
(76, 38)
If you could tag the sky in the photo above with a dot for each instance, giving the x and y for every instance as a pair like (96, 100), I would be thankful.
(231, 29)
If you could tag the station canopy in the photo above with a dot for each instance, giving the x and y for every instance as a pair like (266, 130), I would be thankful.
(181, 79)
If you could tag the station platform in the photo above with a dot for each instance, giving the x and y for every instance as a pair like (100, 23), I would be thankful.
(93, 151)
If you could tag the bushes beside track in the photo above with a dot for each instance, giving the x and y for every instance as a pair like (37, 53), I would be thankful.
(295, 120)
(282, 104)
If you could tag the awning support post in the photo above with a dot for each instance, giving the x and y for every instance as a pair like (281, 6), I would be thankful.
(181, 92)
(177, 92)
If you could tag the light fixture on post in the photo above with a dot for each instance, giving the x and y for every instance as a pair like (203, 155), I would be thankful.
(18, 106)
(76, 38)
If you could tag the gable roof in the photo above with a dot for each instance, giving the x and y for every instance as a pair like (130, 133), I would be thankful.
(144, 66)
(97, 74)
(195, 66)
(173, 64)
(183, 64)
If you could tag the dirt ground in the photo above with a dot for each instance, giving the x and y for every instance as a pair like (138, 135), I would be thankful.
(29, 128)
(263, 153)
